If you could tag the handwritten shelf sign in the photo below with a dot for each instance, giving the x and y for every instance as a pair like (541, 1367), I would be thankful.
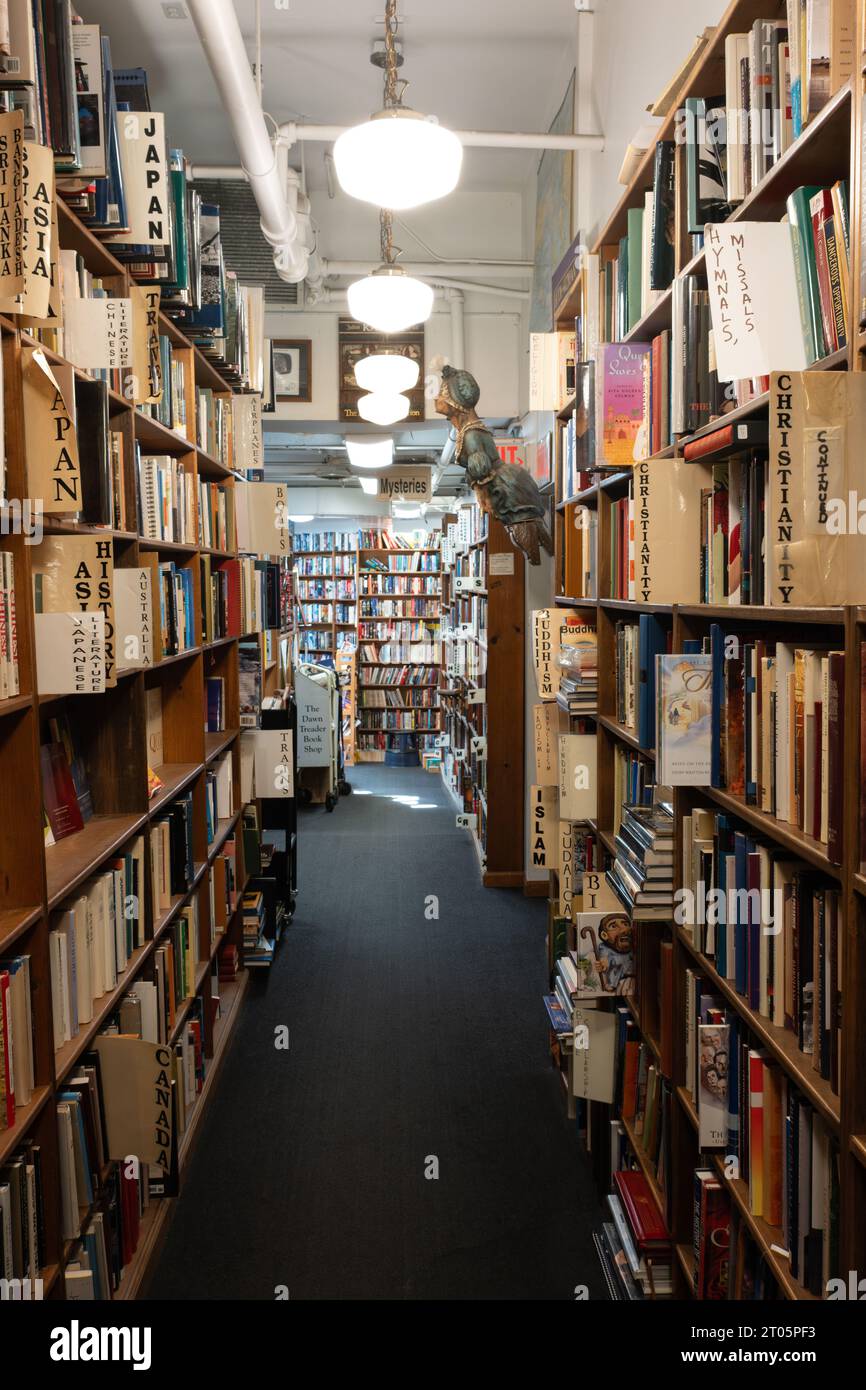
(754, 299)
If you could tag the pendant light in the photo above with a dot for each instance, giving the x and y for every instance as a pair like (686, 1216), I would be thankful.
(370, 486)
(365, 451)
(388, 300)
(300, 520)
(384, 409)
(399, 158)
(388, 372)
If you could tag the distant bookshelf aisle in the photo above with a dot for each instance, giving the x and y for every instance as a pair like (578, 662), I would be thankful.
(129, 832)
(707, 905)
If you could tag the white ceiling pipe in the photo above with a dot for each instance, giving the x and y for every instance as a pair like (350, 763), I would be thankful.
(507, 270)
(458, 340)
(292, 131)
(220, 36)
(470, 287)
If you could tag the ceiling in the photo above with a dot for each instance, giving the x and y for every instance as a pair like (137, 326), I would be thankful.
(486, 65)
(460, 59)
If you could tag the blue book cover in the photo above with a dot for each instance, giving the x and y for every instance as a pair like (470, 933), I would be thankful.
(652, 642)
(740, 926)
(717, 650)
(559, 1020)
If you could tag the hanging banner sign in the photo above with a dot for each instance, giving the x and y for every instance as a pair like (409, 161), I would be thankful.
(145, 178)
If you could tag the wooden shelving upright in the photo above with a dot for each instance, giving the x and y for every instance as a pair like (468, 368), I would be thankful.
(35, 879)
(831, 147)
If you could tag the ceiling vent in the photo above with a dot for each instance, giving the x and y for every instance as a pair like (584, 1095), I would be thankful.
(244, 248)
(333, 470)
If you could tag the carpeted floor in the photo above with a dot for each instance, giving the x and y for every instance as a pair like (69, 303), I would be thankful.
(412, 1039)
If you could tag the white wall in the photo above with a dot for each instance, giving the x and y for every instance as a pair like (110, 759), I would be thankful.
(638, 47)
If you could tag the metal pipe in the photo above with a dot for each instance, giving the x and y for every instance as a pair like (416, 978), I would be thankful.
(220, 37)
(293, 131)
(458, 340)
(508, 270)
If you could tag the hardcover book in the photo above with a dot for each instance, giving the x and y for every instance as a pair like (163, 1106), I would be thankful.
(683, 719)
(620, 414)
(605, 955)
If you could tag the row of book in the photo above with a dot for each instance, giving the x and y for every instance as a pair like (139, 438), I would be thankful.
(239, 596)
(92, 940)
(216, 516)
(219, 794)
(22, 1223)
(398, 699)
(214, 425)
(402, 652)
(399, 608)
(774, 1141)
(393, 719)
(327, 541)
(166, 498)
(9, 677)
(388, 540)
(326, 588)
(401, 631)
(396, 584)
(772, 926)
(171, 407)
(327, 612)
(325, 565)
(405, 675)
(172, 865)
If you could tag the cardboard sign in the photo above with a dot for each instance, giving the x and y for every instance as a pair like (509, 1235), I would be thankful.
(548, 721)
(273, 762)
(146, 384)
(36, 234)
(11, 206)
(133, 617)
(247, 433)
(98, 332)
(314, 722)
(545, 649)
(262, 519)
(578, 782)
(136, 1089)
(70, 653)
(754, 302)
(407, 485)
(49, 431)
(145, 177)
(543, 822)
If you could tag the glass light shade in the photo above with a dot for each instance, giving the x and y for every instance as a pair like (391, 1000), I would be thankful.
(405, 510)
(369, 452)
(299, 520)
(370, 486)
(398, 159)
(389, 300)
(387, 372)
(380, 409)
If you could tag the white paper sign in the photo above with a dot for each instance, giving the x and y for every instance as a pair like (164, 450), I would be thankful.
(98, 332)
(133, 618)
(502, 563)
(753, 299)
(70, 653)
(274, 757)
(262, 518)
(314, 722)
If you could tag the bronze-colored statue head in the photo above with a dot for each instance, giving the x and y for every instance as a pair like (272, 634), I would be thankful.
(458, 392)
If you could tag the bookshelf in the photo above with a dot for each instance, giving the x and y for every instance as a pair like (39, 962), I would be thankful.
(326, 585)
(112, 739)
(399, 606)
(830, 148)
(481, 691)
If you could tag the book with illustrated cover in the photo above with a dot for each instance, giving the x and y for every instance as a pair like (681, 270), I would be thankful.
(619, 412)
(683, 719)
(605, 960)
(713, 1042)
(58, 792)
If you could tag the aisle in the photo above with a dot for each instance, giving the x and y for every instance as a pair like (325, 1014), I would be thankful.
(409, 1038)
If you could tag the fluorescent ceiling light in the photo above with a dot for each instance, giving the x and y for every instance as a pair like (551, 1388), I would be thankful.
(299, 520)
(370, 486)
(380, 409)
(389, 300)
(369, 452)
(398, 159)
(388, 372)
(405, 510)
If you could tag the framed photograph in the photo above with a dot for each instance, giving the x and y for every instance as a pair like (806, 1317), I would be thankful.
(292, 369)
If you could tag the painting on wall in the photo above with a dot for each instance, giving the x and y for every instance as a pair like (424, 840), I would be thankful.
(553, 209)
(356, 340)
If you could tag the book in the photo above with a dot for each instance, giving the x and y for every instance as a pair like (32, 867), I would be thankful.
(683, 720)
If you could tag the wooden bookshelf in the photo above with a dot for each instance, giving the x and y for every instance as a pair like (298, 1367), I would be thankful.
(423, 722)
(338, 565)
(830, 148)
(482, 689)
(35, 879)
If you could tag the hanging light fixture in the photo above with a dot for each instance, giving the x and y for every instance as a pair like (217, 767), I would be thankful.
(388, 372)
(300, 520)
(384, 409)
(365, 451)
(389, 300)
(399, 158)
(370, 486)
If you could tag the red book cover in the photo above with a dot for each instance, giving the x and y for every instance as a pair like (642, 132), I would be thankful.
(232, 571)
(835, 774)
(756, 1133)
(815, 828)
(821, 207)
(643, 1214)
(8, 1097)
(715, 1240)
(58, 792)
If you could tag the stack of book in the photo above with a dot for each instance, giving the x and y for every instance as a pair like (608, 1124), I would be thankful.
(258, 949)
(642, 872)
(578, 680)
(641, 1234)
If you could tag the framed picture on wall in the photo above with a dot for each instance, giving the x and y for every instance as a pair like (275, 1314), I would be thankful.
(292, 369)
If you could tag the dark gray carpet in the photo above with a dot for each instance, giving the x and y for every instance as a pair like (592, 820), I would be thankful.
(409, 1039)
